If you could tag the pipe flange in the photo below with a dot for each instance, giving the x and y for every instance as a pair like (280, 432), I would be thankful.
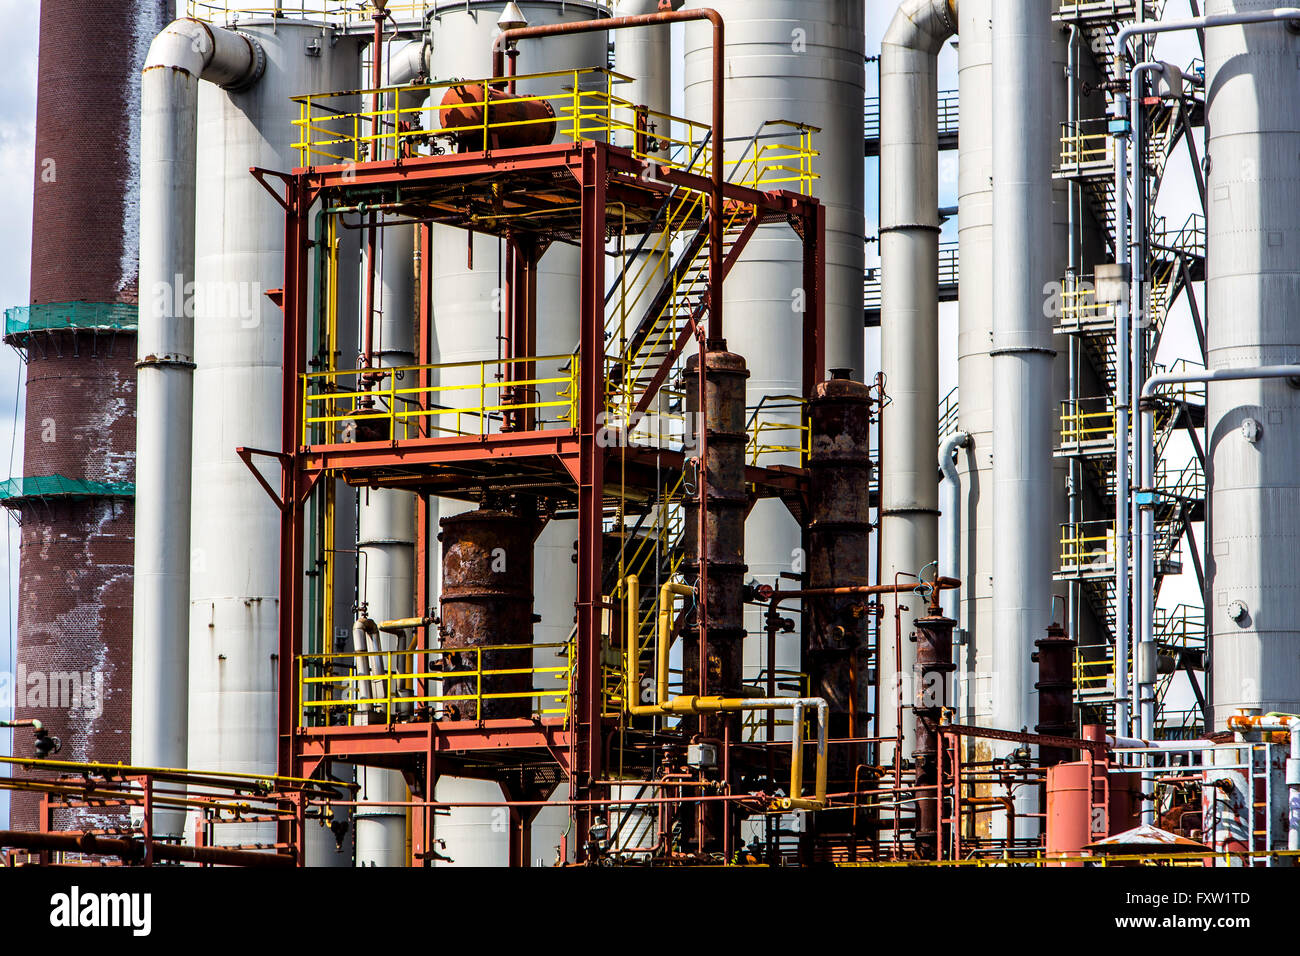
(259, 65)
(164, 362)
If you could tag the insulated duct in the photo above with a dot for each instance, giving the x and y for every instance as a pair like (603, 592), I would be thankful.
(909, 322)
(1023, 353)
(186, 52)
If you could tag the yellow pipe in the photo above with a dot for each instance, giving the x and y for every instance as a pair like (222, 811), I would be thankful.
(666, 635)
(693, 705)
(404, 623)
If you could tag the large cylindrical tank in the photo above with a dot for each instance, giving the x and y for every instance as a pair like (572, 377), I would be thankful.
(239, 256)
(487, 600)
(1253, 440)
(802, 62)
(75, 567)
(1072, 790)
(467, 300)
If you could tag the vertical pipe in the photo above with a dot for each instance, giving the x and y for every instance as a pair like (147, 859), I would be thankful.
(386, 517)
(974, 337)
(1122, 404)
(1023, 351)
(950, 553)
(1142, 517)
(909, 317)
(185, 53)
(1072, 269)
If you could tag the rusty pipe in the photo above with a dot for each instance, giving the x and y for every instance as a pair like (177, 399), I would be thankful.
(716, 126)
(134, 850)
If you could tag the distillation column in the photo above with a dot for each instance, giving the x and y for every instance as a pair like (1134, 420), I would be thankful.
(1253, 427)
(802, 62)
(839, 539)
(974, 375)
(234, 587)
(1023, 355)
(909, 333)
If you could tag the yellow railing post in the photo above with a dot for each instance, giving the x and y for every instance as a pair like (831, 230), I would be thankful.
(478, 684)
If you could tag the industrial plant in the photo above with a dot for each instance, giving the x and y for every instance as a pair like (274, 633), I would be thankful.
(573, 433)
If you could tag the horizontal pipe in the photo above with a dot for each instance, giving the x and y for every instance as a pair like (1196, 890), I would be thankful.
(134, 850)
(1199, 23)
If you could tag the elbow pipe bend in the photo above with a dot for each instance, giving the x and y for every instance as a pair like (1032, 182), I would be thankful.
(948, 450)
(922, 25)
(232, 60)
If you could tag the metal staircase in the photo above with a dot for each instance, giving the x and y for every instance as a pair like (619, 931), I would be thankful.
(1175, 260)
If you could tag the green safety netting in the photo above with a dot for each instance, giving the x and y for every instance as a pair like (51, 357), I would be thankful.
(48, 486)
(96, 316)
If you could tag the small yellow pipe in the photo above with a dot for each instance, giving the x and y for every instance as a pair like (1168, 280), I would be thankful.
(403, 623)
(666, 634)
(687, 705)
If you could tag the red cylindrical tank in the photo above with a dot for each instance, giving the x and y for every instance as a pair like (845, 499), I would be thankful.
(531, 122)
(1073, 790)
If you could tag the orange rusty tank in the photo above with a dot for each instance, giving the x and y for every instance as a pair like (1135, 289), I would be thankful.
(1070, 804)
(511, 122)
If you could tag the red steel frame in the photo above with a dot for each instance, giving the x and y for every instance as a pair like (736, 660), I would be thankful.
(602, 175)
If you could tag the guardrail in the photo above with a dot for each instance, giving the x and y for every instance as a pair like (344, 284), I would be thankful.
(333, 689)
(578, 105)
(333, 12)
(465, 398)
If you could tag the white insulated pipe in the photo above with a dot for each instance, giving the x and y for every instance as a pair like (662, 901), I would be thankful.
(974, 333)
(950, 553)
(909, 318)
(1127, 337)
(386, 516)
(1022, 351)
(186, 52)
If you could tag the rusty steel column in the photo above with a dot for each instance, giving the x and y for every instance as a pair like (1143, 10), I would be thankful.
(723, 474)
(1055, 659)
(713, 649)
(839, 535)
(487, 600)
(933, 639)
(77, 516)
